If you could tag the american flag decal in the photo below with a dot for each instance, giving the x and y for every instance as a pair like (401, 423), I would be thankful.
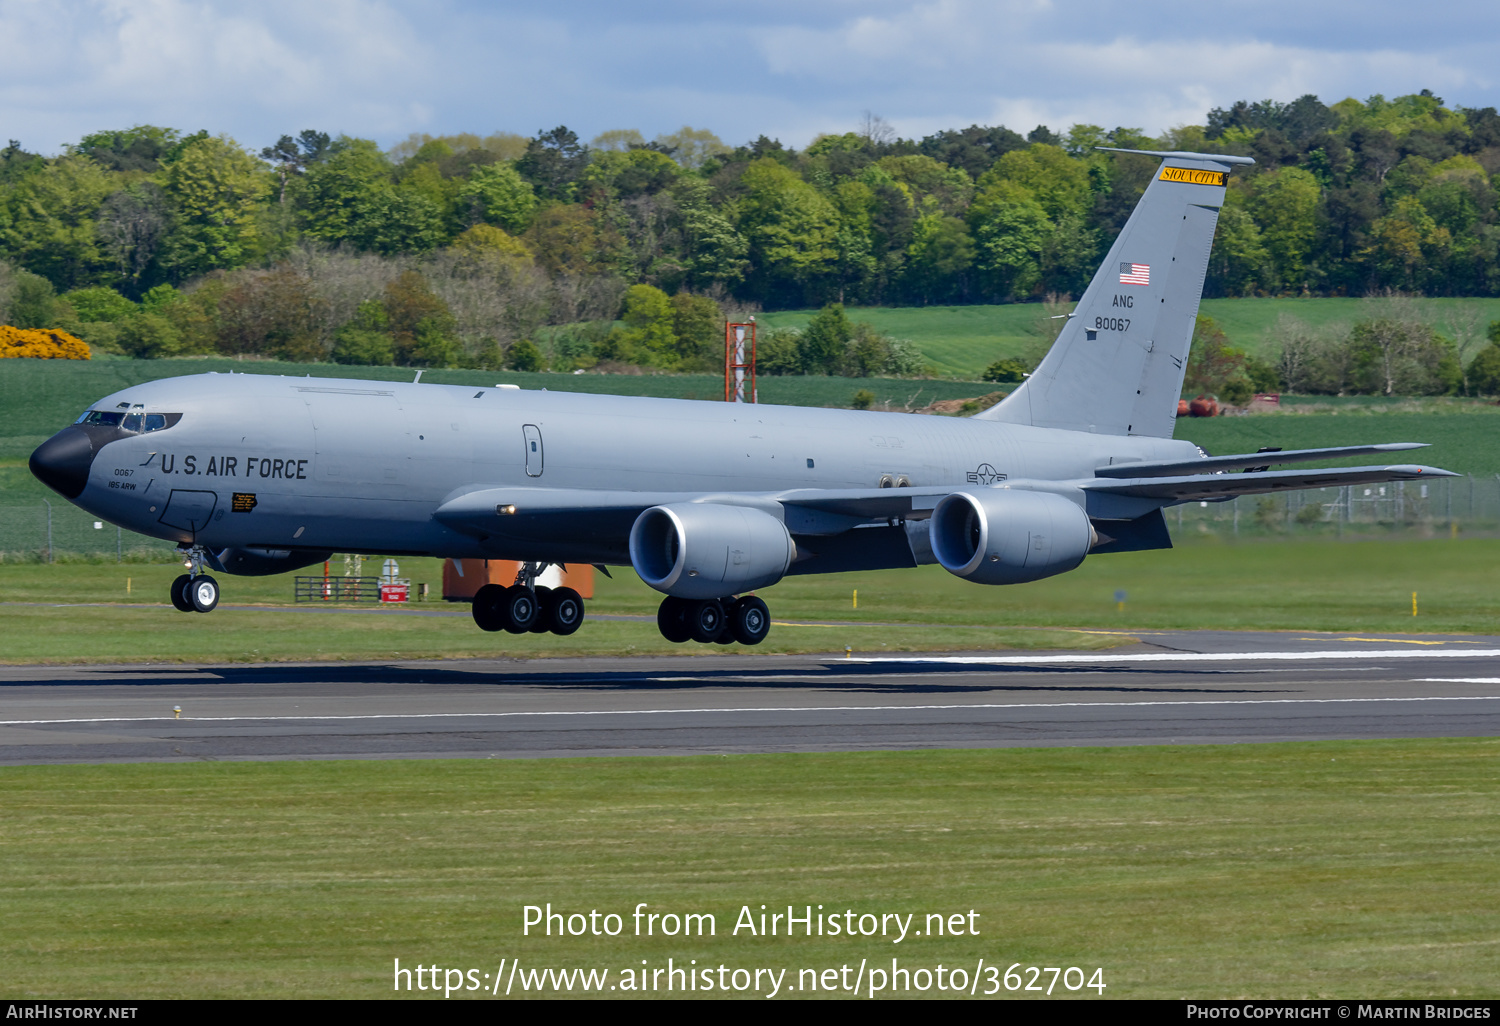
(1135, 274)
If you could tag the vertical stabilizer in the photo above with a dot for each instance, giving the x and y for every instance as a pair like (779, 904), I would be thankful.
(1117, 367)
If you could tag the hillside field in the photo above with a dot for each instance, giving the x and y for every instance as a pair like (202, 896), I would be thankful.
(961, 341)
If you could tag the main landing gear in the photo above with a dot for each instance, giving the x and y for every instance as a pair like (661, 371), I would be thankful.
(195, 591)
(714, 621)
(524, 608)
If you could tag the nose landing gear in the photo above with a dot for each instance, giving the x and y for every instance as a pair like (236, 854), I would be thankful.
(194, 591)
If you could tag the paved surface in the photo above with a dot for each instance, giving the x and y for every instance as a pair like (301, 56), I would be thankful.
(1171, 688)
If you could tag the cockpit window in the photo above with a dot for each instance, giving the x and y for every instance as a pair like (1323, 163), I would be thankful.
(133, 422)
(103, 418)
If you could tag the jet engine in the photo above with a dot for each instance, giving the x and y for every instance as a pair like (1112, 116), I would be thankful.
(705, 550)
(249, 562)
(1008, 536)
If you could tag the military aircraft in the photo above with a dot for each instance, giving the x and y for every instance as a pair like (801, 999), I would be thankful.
(707, 501)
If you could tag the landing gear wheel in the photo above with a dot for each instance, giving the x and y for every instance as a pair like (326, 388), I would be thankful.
(672, 620)
(749, 621)
(487, 612)
(566, 611)
(706, 620)
(180, 600)
(726, 636)
(518, 607)
(203, 593)
(543, 622)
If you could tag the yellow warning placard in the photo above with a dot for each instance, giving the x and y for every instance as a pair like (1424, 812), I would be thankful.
(1193, 176)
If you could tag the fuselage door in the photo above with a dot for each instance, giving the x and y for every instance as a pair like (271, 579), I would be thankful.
(533, 438)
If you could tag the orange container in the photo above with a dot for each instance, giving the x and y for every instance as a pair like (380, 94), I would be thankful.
(476, 573)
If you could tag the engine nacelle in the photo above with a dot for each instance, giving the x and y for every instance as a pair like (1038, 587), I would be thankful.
(704, 550)
(249, 562)
(1009, 536)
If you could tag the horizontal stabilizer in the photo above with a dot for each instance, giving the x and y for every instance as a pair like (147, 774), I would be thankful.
(1214, 464)
(1192, 487)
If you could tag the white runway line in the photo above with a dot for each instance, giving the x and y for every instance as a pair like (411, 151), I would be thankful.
(1459, 680)
(1185, 657)
(753, 709)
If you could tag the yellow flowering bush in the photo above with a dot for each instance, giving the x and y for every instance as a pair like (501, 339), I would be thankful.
(41, 344)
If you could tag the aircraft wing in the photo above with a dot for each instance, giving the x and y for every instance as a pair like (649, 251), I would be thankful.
(1265, 458)
(526, 511)
(1189, 487)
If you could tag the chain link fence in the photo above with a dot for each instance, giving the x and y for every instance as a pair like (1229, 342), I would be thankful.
(1451, 504)
(56, 531)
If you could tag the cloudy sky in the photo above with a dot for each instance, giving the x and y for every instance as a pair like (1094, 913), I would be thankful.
(790, 69)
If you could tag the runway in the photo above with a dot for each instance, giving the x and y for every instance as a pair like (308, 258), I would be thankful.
(1168, 688)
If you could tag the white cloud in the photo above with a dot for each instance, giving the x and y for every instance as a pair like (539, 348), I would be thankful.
(384, 68)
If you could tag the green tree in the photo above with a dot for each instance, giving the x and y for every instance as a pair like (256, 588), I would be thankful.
(99, 303)
(553, 163)
(825, 340)
(49, 222)
(216, 188)
(1058, 183)
(1284, 204)
(692, 147)
(698, 324)
(498, 195)
(366, 339)
(649, 321)
(525, 356)
(33, 301)
(1010, 231)
(1214, 366)
(1239, 263)
(779, 351)
(150, 336)
(940, 253)
(1005, 372)
(792, 229)
(399, 221)
(420, 323)
(1484, 371)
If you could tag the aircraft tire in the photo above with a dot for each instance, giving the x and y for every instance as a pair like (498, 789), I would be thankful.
(519, 608)
(726, 636)
(749, 621)
(486, 609)
(706, 620)
(180, 600)
(544, 601)
(203, 593)
(567, 611)
(672, 620)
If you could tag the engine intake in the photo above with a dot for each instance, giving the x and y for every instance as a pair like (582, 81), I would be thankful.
(703, 550)
(1008, 536)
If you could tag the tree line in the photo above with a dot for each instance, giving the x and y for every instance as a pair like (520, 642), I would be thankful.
(463, 250)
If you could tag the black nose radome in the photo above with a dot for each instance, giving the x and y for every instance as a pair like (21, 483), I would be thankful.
(62, 462)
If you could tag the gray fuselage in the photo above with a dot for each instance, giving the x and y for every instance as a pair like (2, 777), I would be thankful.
(361, 466)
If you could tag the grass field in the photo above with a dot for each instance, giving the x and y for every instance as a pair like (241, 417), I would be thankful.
(1334, 869)
(1464, 435)
(1205, 583)
(961, 341)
